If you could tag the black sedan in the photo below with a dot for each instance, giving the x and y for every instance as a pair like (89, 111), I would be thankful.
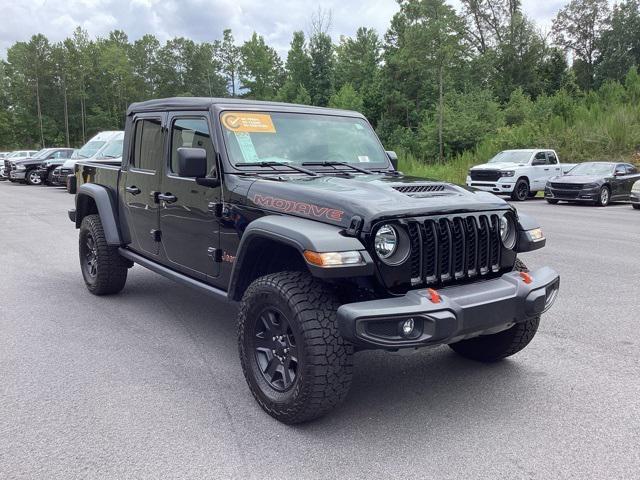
(597, 183)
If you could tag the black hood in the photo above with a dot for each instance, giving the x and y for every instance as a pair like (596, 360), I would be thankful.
(337, 199)
(577, 179)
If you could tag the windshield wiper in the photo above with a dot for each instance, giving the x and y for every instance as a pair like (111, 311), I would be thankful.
(277, 164)
(333, 163)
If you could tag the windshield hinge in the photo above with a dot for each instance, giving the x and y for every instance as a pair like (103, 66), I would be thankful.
(354, 227)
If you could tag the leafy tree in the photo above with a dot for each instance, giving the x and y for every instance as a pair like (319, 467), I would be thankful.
(346, 98)
(619, 44)
(298, 64)
(576, 28)
(322, 68)
(230, 59)
(262, 72)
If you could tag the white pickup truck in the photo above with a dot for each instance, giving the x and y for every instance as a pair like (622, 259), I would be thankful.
(519, 173)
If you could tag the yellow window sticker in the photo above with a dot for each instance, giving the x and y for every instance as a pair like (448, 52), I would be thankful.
(248, 122)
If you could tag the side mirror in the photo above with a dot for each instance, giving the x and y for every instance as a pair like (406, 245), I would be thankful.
(192, 162)
(618, 173)
(393, 157)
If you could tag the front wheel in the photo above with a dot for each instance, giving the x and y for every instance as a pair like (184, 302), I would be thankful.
(552, 202)
(33, 178)
(296, 363)
(604, 198)
(103, 269)
(520, 191)
(491, 348)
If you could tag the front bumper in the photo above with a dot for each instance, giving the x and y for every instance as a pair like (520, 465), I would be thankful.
(581, 195)
(502, 185)
(17, 174)
(635, 198)
(464, 311)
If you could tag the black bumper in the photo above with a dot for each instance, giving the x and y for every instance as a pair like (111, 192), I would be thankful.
(464, 311)
(582, 195)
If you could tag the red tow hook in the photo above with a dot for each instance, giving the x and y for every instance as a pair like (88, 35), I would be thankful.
(434, 296)
(526, 277)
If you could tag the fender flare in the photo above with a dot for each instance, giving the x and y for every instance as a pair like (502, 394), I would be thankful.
(524, 242)
(105, 203)
(301, 234)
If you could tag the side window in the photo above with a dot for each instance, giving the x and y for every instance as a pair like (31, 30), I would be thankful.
(540, 159)
(620, 170)
(147, 148)
(192, 132)
(553, 160)
(631, 170)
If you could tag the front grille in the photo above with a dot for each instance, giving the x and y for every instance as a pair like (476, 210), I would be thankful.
(567, 186)
(485, 175)
(419, 188)
(454, 248)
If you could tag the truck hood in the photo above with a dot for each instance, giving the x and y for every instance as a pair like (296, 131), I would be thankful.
(337, 200)
(498, 166)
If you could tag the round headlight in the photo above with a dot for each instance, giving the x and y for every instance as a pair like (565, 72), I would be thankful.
(386, 241)
(507, 231)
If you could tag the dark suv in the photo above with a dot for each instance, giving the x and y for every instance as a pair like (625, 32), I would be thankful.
(299, 215)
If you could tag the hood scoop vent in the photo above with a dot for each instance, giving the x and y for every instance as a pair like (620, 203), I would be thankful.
(428, 190)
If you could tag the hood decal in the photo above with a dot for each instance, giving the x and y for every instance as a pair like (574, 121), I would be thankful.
(289, 206)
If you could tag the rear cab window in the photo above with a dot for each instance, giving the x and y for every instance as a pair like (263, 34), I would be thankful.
(147, 147)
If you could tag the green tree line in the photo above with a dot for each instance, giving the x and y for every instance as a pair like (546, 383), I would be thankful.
(439, 85)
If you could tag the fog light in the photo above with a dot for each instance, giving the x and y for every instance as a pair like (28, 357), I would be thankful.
(407, 327)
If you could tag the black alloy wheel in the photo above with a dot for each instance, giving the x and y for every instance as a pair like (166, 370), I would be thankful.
(275, 350)
(520, 191)
(90, 254)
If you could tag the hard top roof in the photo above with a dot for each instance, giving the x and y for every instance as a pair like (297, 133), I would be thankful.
(204, 103)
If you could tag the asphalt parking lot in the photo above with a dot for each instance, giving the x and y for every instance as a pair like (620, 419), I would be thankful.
(147, 384)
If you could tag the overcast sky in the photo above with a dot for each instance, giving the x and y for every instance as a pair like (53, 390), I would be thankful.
(204, 20)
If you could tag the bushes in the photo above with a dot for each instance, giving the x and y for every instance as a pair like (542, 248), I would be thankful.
(601, 125)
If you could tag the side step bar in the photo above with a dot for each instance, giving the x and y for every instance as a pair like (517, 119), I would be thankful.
(173, 275)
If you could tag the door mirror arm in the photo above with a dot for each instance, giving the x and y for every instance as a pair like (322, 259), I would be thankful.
(208, 182)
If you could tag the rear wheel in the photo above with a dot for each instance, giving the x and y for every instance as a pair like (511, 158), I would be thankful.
(33, 178)
(491, 348)
(552, 201)
(296, 363)
(520, 191)
(103, 269)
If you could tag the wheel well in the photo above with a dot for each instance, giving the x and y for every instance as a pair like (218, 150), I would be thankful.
(85, 205)
(525, 178)
(265, 256)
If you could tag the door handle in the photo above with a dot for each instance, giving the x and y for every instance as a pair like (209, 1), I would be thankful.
(546, 169)
(167, 197)
(133, 190)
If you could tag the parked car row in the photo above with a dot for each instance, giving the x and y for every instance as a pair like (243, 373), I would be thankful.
(52, 166)
(523, 173)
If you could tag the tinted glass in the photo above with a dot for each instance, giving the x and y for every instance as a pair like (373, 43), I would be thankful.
(552, 158)
(631, 170)
(147, 149)
(253, 137)
(191, 133)
(590, 168)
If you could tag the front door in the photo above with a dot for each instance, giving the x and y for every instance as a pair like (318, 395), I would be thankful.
(190, 228)
(141, 183)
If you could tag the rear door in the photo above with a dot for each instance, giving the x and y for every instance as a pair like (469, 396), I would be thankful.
(554, 165)
(190, 228)
(541, 171)
(618, 182)
(141, 182)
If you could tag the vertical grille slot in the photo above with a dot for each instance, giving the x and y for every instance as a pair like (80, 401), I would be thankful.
(459, 241)
(445, 250)
(414, 237)
(472, 246)
(494, 256)
(430, 251)
(483, 245)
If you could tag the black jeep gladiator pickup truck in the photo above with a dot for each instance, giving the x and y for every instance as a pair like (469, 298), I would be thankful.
(300, 215)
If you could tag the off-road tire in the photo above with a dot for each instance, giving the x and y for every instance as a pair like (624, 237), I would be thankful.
(602, 200)
(491, 348)
(325, 367)
(552, 202)
(111, 268)
(28, 179)
(520, 190)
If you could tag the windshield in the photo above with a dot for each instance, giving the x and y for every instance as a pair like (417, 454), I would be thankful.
(41, 153)
(511, 156)
(89, 149)
(112, 149)
(299, 138)
(592, 169)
